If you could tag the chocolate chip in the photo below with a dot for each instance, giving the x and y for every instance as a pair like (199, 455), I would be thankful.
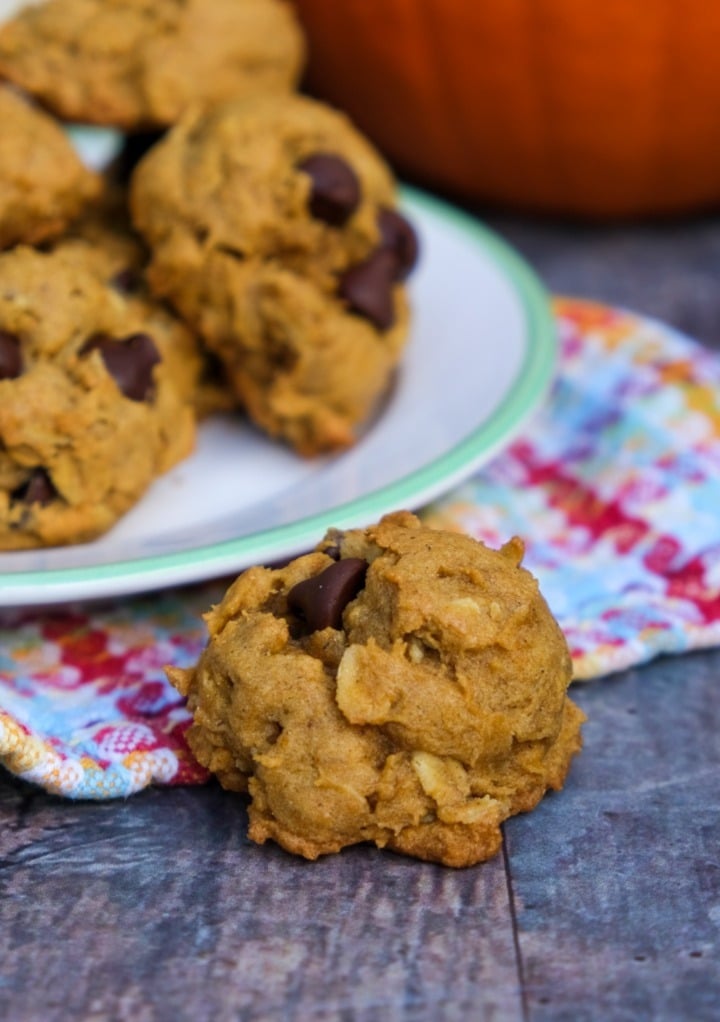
(322, 598)
(398, 236)
(38, 489)
(11, 364)
(335, 192)
(130, 362)
(367, 288)
(126, 281)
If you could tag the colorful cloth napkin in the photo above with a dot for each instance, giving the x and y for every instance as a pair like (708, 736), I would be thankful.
(614, 486)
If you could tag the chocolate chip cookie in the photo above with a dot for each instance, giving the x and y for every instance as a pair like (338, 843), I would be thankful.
(274, 231)
(88, 413)
(43, 184)
(137, 64)
(400, 685)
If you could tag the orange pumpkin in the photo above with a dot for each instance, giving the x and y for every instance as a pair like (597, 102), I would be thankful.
(608, 108)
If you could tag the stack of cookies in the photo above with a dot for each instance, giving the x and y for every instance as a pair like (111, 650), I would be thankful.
(398, 685)
(245, 253)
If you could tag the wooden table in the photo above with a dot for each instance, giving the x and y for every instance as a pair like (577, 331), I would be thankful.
(604, 905)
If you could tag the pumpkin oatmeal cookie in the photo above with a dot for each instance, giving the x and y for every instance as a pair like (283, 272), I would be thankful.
(138, 64)
(43, 184)
(274, 231)
(400, 685)
(89, 415)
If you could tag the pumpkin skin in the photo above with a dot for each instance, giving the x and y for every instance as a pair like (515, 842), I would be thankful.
(608, 109)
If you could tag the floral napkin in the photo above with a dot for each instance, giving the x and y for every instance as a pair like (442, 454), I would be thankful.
(614, 487)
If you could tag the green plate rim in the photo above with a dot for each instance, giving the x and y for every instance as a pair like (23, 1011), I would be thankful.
(412, 490)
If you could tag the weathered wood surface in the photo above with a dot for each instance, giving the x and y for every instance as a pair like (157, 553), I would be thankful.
(605, 904)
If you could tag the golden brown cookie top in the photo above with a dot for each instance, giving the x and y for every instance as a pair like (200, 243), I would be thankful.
(452, 602)
(53, 305)
(281, 178)
(43, 184)
(89, 414)
(139, 63)
(399, 685)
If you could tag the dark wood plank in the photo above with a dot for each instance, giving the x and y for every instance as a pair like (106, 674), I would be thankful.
(617, 881)
(159, 908)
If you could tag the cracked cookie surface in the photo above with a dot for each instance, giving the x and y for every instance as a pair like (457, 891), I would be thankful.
(137, 64)
(274, 231)
(399, 685)
(88, 413)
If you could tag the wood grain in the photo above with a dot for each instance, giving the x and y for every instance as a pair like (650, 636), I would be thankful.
(617, 880)
(159, 908)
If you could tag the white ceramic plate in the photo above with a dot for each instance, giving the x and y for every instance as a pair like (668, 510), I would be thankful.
(480, 359)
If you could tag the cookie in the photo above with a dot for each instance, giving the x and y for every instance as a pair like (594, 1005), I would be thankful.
(88, 414)
(274, 231)
(43, 184)
(399, 685)
(137, 64)
(104, 243)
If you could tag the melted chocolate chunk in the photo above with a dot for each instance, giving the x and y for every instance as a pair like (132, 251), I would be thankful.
(11, 364)
(335, 192)
(322, 598)
(130, 362)
(38, 489)
(367, 288)
(398, 236)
